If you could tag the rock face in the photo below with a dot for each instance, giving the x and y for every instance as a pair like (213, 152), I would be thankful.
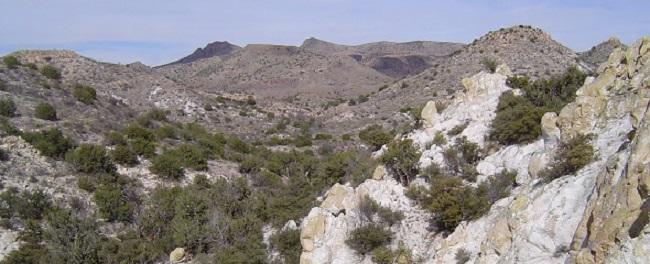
(597, 215)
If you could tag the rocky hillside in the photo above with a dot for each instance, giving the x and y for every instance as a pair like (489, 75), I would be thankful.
(577, 193)
(214, 49)
(397, 60)
(526, 50)
(599, 53)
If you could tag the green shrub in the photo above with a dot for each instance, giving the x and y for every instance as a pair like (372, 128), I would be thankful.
(87, 183)
(7, 107)
(499, 185)
(191, 156)
(401, 159)
(164, 132)
(88, 158)
(154, 114)
(439, 139)
(571, 157)
(167, 166)
(303, 140)
(115, 138)
(143, 147)
(8, 128)
(518, 117)
(123, 155)
(321, 136)
(517, 120)
(134, 131)
(382, 255)
(84, 94)
(11, 61)
(45, 111)
(25, 205)
(287, 243)
(490, 64)
(112, 203)
(452, 203)
(375, 136)
(367, 238)
(346, 137)
(51, 142)
(51, 72)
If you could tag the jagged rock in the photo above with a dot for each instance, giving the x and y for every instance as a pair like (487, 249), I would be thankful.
(429, 114)
(177, 255)
(379, 173)
(550, 131)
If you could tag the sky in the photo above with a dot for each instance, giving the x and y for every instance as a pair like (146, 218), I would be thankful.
(160, 31)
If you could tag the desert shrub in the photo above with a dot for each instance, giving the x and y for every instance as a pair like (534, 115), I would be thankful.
(490, 64)
(115, 138)
(462, 256)
(7, 107)
(166, 131)
(84, 94)
(370, 207)
(322, 136)
(287, 243)
(62, 247)
(7, 127)
(51, 72)
(88, 158)
(153, 114)
(87, 183)
(25, 205)
(439, 139)
(457, 129)
(303, 140)
(517, 120)
(571, 157)
(518, 117)
(112, 203)
(143, 147)
(346, 137)
(134, 131)
(382, 255)
(11, 61)
(45, 111)
(367, 238)
(452, 202)
(167, 166)
(123, 155)
(51, 142)
(499, 185)
(401, 159)
(375, 136)
(191, 156)
(237, 145)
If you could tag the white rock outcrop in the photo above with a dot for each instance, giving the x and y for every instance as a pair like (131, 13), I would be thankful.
(598, 215)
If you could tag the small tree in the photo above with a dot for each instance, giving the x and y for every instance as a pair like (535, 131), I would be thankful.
(401, 159)
(45, 111)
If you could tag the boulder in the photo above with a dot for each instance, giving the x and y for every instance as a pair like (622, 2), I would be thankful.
(429, 114)
(177, 255)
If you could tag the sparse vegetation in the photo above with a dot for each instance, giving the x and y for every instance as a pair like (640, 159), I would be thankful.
(7, 107)
(401, 158)
(11, 61)
(375, 136)
(518, 117)
(51, 72)
(490, 64)
(45, 111)
(572, 156)
(84, 94)
(367, 238)
(51, 142)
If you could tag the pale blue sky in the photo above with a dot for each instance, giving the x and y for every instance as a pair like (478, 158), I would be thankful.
(158, 31)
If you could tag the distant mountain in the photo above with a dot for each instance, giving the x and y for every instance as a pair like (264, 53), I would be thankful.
(397, 60)
(213, 49)
(599, 53)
